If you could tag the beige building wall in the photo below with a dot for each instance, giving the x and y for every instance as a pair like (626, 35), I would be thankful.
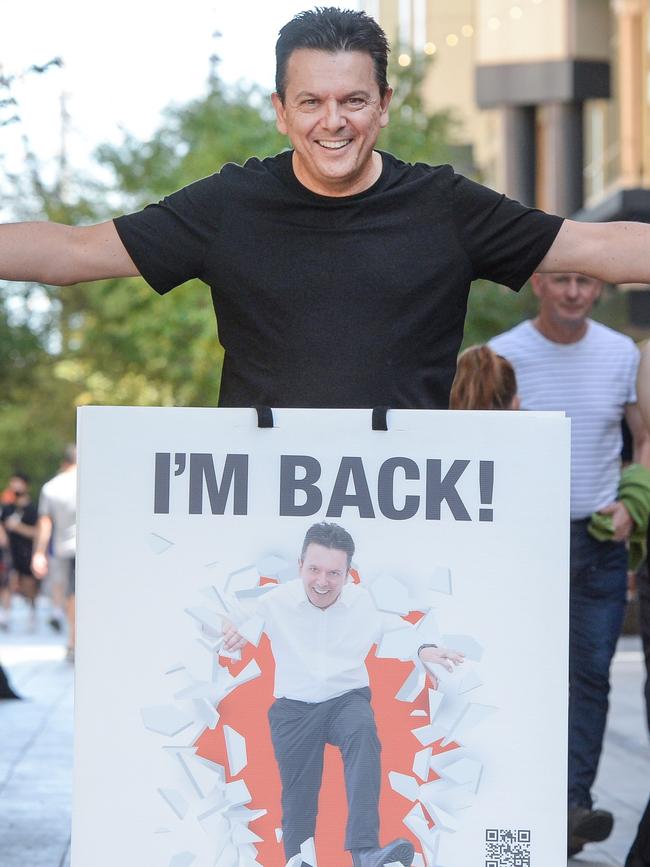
(445, 30)
(618, 130)
(536, 30)
(460, 34)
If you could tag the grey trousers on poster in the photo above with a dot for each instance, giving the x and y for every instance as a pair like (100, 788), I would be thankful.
(299, 732)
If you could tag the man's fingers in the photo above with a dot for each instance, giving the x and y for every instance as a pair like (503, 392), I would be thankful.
(233, 640)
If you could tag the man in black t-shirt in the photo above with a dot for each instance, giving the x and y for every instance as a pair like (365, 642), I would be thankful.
(339, 274)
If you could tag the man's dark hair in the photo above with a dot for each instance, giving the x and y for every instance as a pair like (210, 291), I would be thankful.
(331, 29)
(18, 474)
(329, 536)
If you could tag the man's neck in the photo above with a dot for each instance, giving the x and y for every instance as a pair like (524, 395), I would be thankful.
(558, 332)
(345, 187)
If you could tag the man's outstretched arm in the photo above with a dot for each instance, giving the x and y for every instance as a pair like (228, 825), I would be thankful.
(613, 252)
(62, 255)
(39, 554)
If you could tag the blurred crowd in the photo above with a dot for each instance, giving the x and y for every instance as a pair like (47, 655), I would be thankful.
(37, 553)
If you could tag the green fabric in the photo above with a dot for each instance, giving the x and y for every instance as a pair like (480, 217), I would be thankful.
(634, 493)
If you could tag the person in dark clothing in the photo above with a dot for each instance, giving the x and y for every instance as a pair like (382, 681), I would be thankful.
(6, 691)
(18, 520)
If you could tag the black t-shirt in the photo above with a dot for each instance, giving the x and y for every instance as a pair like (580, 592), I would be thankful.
(321, 301)
(19, 545)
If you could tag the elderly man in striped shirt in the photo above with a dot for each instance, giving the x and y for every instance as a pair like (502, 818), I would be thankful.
(566, 361)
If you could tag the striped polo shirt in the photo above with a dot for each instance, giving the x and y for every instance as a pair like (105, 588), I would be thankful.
(591, 380)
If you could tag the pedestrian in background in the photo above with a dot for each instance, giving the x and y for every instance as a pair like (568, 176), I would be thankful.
(18, 527)
(57, 520)
(566, 361)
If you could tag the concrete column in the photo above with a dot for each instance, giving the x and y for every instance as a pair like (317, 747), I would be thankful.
(629, 14)
(564, 158)
(519, 136)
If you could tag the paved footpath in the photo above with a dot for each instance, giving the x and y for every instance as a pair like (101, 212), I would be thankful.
(36, 754)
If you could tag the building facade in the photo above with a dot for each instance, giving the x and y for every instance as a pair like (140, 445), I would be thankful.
(553, 97)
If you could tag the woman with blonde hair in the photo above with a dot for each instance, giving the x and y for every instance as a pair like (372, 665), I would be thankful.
(484, 380)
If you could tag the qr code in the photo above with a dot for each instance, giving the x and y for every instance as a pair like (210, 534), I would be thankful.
(507, 848)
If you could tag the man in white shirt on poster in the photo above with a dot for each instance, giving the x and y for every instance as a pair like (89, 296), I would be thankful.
(321, 628)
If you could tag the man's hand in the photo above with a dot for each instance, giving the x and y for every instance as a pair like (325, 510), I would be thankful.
(621, 520)
(440, 656)
(39, 565)
(232, 640)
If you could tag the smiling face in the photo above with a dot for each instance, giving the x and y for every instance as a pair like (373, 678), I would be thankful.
(323, 572)
(565, 301)
(333, 114)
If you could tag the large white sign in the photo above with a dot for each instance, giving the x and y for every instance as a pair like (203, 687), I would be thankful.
(192, 517)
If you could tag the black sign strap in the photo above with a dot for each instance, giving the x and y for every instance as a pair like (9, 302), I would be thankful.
(379, 418)
(264, 416)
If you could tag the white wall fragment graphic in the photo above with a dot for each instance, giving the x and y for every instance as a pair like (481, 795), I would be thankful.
(182, 859)
(236, 750)
(203, 796)
(404, 784)
(243, 579)
(471, 716)
(435, 700)
(421, 764)
(272, 566)
(428, 735)
(399, 644)
(464, 772)
(206, 617)
(252, 629)
(465, 644)
(390, 595)
(412, 686)
(205, 712)
(427, 630)
(237, 793)
(166, 719)
(308, 852)
(248, 673)
(469, 682)
(440, 580)
(158, 544)
(175, 800)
